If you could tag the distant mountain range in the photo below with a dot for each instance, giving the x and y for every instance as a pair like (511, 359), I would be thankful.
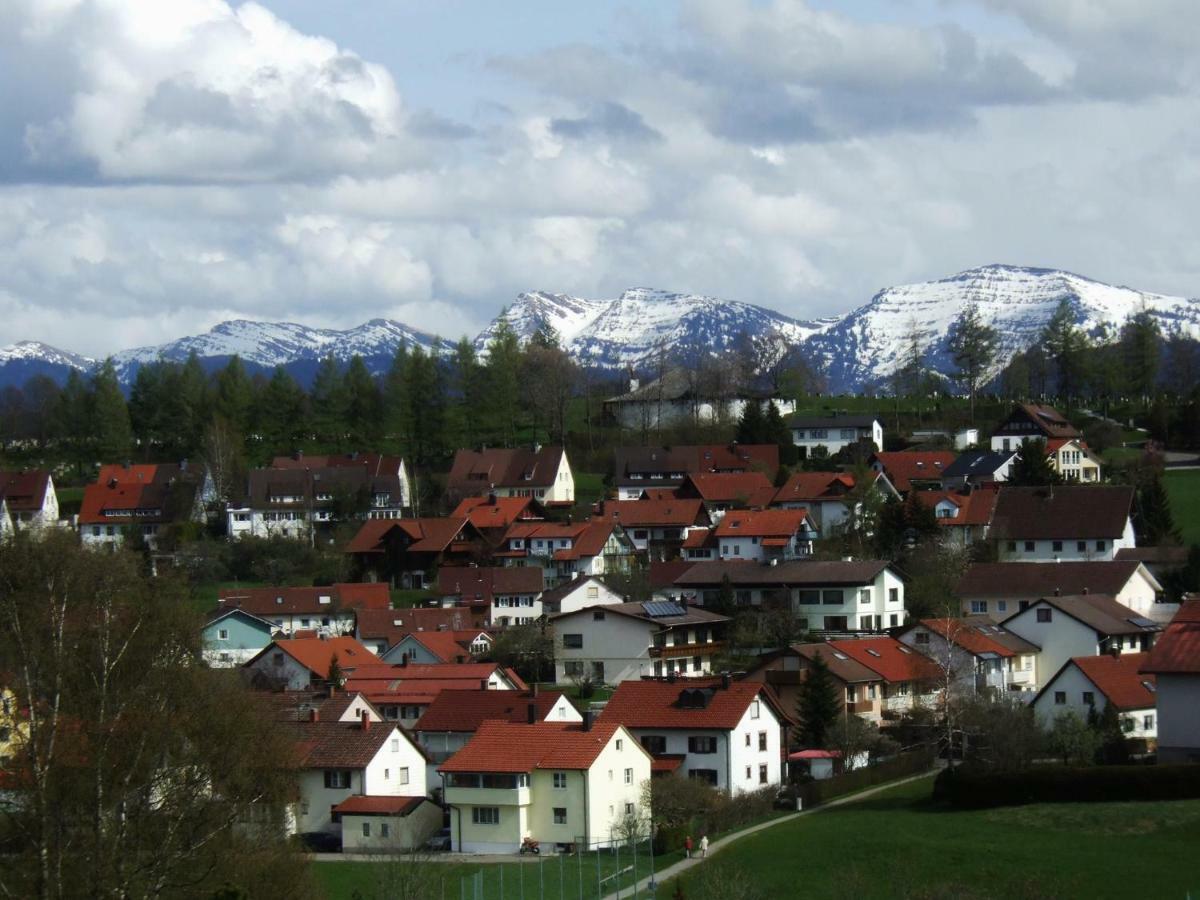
(859, 349)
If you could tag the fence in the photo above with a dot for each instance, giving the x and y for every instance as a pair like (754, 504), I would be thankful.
(594, 870)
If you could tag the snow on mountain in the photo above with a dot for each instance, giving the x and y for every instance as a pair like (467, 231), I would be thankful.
(632, 329)
(37, 352)
(867, 345)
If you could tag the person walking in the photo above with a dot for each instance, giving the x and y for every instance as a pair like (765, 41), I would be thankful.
(703, 846)
(687, 846)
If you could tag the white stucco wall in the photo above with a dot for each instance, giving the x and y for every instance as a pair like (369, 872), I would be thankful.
(405, 832)
(1178, 724)
(1059, 639)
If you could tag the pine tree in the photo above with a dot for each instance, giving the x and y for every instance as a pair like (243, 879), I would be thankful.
(364, 405)
(397, 408)
(1141, 349)
(504, 381)
(282, 414)
(1113, 747)
(972, 344)
(775, 430)
(817, 705)
(336, 678)
(1065, 344)
(1152, 518)
(72, 417)
(751, 428)
(426, 393)
(112, 434)
(1032, 466)
(234, 395)
(468, 394)
(328, 401)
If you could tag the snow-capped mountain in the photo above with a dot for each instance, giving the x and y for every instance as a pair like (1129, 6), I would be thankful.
(866, 346)
(633, 328)
(23, 360)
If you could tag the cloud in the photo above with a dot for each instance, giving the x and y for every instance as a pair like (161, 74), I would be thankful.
(610, 121)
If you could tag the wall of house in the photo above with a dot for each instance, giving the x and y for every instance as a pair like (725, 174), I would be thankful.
(316, 800)
(879, 603)
(620, 642)
(244, 640)
(278, 665)
(1178, 699)
(503, 837)
(404, 832)
(677, 744)
(243, 521)
(545, 798)
(515, 609)
(593, 593)
(1065, 550)
(1059, 639)
(608, 792)
(745, 753)
(1072, 682)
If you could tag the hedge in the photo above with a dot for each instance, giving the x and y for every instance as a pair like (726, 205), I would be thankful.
(814, 793)
(969, 788)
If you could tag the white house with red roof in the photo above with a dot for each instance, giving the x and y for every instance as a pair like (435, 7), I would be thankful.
(403, 692)
(329, 610)
(1175, 664)
(825, 496)
(437, 647)
(1073, 460)
(298, 663)
(909, 470)
(909, 678)
(539, 472)
(29, 497)
(142, 499)
(1090, 683)
(730, 734)
(562, 785)
(657, 527)
(964, 517)
(980, 655)
(765, 534)
(567, 550)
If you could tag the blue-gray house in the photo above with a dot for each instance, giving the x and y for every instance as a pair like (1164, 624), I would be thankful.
(233, 636)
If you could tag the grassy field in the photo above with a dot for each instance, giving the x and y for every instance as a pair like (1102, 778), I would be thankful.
(898, 844)
(1184, 489)
(403, 598)
(204, 596)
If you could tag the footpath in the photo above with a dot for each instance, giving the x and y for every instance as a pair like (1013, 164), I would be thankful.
(715, 847)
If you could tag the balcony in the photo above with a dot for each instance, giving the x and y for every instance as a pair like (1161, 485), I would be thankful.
(469, 796)
(673, 651)
(860, 707)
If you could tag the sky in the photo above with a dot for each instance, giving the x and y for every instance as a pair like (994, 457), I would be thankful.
(165, 166)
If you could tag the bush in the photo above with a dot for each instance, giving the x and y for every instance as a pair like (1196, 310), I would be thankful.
(969, 788)
(815, 793)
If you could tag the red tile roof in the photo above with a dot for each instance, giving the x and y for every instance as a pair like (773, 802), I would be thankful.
(360, 805)
(477, 471)
(667, 762)
(481, 584)
(466, 710)
(492, 512)
(269, 601)
(974, 508)
(1118, 679)
(505, 747)
(761, 523)
(905, 466)
(1177, 650)
(381, 676)
(698, 538)
(727, 487)
(804, 486)
(427, 535)
(891, 659)
(657, 704)
(447, 646)
(315, 654)
(393, 624)
(24, 491)
(969, 637)
(655, 513)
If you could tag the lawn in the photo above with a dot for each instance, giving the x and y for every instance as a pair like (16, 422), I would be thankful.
(899, 844)
(1183, 487)
(204, 596)
(404, 598)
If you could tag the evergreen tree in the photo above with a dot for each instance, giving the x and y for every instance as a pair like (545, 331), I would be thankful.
(72, 417)
(817, 705)
(328, 402)
(751, 428)
(775, 431)
(1065, 344)
(426, 393)
(1152, 519)
(1032, 466)
(397, 408)
(972, 344)
(148, 408)
(364, 405)
(192, 407)
(504, 381)
(234, 395)
(336, 677)
(468, 392)
(112, 434)
(1141, 349)
(282, 416)
(1113, 746)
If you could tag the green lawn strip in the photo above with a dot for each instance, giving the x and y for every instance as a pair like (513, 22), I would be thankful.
(898, 844)
(406, 598)
(204, 596)
(1183, 487)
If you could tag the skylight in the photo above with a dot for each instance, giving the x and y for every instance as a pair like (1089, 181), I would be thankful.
(874, 653)
(838, 655)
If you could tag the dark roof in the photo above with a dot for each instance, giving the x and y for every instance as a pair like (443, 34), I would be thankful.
(391, 625)
(1097, 611)
(24, 490)
(1161, 556)
(677, 704)
(1033, 580)
(425, 535)
(1177, 650)
(664, 613)
(481, 584)
(304, 479)
(341, 745)
(664, 574)
(680, 460)
(1062, 512)
(1048, 421)
(796, 572)
(466, 710)
(360, 805)
(855, 420)
(973, 463)
(268, 601)
(475, 472)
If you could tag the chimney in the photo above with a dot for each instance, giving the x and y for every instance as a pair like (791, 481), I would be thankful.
(459, 659)
(366, 720)
(533, 691)
(403, 660)
(1085, 592)
(670, 676)
(483, 684)
(1114, 650)
(531, 711)
(1057, 592)
(683, 602)
(724, 681)
(587, 720)
(314, 715)
(491, 498)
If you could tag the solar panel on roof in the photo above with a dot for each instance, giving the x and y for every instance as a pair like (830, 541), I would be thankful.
(660, 608)
(1142, 622)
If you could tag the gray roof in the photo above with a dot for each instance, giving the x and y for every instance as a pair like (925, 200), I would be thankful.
(790, 574)
(978, 462)
(1033, 579)
(856, 420)
(1062, 512)
(1098, 611)
(690, 615)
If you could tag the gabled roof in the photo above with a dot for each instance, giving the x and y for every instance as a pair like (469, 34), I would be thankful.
(654, 612)
(891, 659)
(762, 523)
(315, 654)
(1119, 680)
(360, 805)
(446, 646)
(341, 745)
(373, 463)
(681, 459)
(478, 471)
(492, 512)
(976, 507)
(24, 490)
(655, 513)
(979, 638)
(311, 478)
(556, 594)
(791, 573)
(840, 665)
(391, 625)
(481, 584)
(218, 615)
(381, 678)
(1097, 611)
(746, 488)
(1032, 580)
(906, 466)
(146, 494)
(590, 542)
(1048, 421)
(665, 704)
(427, 535)
(698, 538)
(663, 574)
(465, 711)
(977, 463)
(1177, 650)
(268, 601)
(1062, 512)
(508, 747)
(807, 486)
(838, 420)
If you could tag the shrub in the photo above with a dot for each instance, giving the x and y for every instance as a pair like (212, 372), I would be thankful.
(969, 788)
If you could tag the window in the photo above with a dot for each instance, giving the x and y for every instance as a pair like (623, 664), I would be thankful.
(395, 745)
(1029, 546)
(629, 776)
(1100, 546)
(404, 775)
(1001, 606)
(366, 828)
(560, 815)
(385, 830)
(654, 744)
(747, 739)
(485, 815)
(387, 774)
(762, 773)
(708, 775)
(1081, 546)
(629, 809)
(864, 595)
(921, 637)
(1044, 614)
(1147, 722)
(1056, 546)
(748, 776)
(598, 615)
(893, 595)
(755, 709)
(1060, 698)
(978, 607)
(1127, 723)
(593, 592)
(620, 743)
(337, 778)
(1089, 698)
(573, 641)
(223, 634)
(1012, 546)
(762, 741)
(808, 598)
(831, 598)
(702, 745)
(560, 780)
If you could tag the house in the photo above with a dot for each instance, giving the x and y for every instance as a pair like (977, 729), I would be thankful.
(296, 664)
(859, 688)
(639, 469)
(453, 717)
(1087, 684)
(566, 550)
(387, 824)
(676, 398)
(437, 647)
(330, 610)
(661, 578)
(628, 640)
(231, 637)
(721, 491)
(909, 470)
(983, 657)
(403, 692)
(826, 595)
(142, 500)
(578, 593)
(825, 496)
(765, 535)
(657, 528)
(964, 517)
(1029, 421)
(1080, 625)
(502, 595)
(1062, 522)
(329, 703)
(1159, 561)
(999, 589)
(381, 629)
(1175, 664)
(909, 678)
(700, 544)
(1073, 461)
(834, 432)
(493, 515)
(342, 760)
(959, 439)
(294, 495)
(727, 733)
(409, 551)
(562, 785)
(975, 468)
(539, 472)
(30, 498)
